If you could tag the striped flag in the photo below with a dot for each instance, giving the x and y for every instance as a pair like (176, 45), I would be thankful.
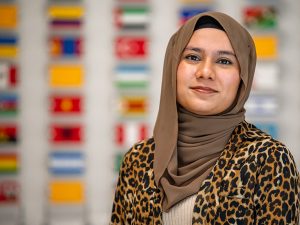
(128, 133)
(131, 47)
(133, 106)
(9, 191)
(65, 104)
(8, 46)
(132, 17)
(261, 105)
(266, 47)
(63, 17)
(66, 192)
(66, 133)
(65, 46)
(260, 17)
(132, 76)
(8, 134)
(188, 12)
(8, 16)
(8, 76)
(65, 76)
(8, 163)
(8, 104)
(66, 163)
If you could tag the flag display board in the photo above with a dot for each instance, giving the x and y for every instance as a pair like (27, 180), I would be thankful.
(9, 191)
(8, 75)
(8, 16)
(66, 192)
(65, 104)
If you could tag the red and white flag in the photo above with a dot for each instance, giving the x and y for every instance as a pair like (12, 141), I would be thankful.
(130, 47)
(128, 133)
(8, 76)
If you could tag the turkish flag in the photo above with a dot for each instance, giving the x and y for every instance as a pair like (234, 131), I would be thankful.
(128, 47)
(9, 191)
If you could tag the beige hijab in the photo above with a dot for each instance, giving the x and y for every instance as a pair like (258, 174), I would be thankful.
(188, 145)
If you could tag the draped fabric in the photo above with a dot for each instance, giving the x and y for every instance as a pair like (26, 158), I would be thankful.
(188, 145)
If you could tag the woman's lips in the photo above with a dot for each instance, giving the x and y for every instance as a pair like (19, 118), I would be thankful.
(203, 89)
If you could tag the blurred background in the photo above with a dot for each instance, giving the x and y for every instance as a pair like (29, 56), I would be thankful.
(80, 83)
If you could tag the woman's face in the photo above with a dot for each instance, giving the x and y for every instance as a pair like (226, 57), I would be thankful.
(208, 73)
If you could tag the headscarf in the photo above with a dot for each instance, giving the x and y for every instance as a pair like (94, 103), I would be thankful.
(188, 145)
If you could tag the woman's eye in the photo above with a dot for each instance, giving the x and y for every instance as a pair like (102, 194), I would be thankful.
(192, 57)
(225, 61)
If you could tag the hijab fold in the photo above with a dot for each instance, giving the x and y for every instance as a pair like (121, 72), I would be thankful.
(188, 145)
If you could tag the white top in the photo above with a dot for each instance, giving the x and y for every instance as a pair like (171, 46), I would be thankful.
(181, 213)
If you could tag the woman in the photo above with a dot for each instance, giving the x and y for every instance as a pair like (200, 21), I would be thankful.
(205, 164)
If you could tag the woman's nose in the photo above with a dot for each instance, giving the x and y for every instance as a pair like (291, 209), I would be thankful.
(205, 70)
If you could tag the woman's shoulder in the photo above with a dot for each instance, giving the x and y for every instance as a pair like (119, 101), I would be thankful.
(141, 154)
(261, 144)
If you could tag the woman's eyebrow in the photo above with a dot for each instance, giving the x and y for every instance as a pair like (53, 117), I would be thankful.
(199, 50)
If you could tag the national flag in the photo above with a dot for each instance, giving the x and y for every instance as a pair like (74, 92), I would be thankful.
(8, 134)
(132, 17)
(188, 12)
(65, 104)
(8, 16)
(8, 163)
(266, 46)
(66, 133)
(64, 76)
(266, 77)
(131, 76)
(131, 47)
(8, 75)
(268, 127)
(260, 17)
(261, 105)
(133, 106)
(65, 11)
(66, 163)
(65, 46)
(8, 46)
(65, 16)
(8, 104)
(66, 192)
(9, 191)
(128, 133)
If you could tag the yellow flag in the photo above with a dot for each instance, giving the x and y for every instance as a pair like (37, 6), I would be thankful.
(66, 192)
(8, 16)
(65, 76)
(65, 12)
(266, 46)
(8, 51)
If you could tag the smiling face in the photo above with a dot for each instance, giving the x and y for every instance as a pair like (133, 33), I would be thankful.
(208, 73)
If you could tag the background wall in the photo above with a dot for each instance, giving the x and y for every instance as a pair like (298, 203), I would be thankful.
(99, 106)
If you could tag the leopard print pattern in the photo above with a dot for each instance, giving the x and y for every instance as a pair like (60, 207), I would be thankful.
(255, 181)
